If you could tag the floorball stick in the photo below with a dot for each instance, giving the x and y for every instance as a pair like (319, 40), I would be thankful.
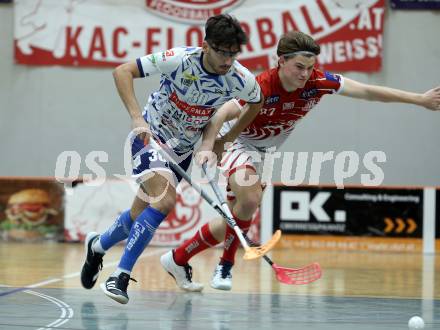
(251, 252)
(302, 275)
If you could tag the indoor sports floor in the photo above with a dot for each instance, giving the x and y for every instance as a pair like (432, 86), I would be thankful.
(40, 289)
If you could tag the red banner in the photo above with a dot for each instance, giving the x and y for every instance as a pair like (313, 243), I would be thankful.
(100, 33)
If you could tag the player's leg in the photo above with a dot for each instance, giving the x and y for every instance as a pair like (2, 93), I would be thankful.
(246, 188)
(209, 235)
(176, 261)
(157, 183)
(158, 195)
(212, 233)
(96, 245)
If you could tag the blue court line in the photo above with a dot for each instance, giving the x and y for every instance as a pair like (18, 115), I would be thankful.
(28, 287)
(2, 294)
(34, 286)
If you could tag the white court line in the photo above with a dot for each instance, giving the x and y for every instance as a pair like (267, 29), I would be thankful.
(106, 265)
(43, 283)
(76, 274)
(61, 304)
(65, 308)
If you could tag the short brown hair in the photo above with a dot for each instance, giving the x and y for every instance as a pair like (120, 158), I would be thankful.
(296, 41)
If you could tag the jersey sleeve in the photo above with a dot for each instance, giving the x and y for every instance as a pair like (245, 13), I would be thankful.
(162, 62)
(251, 92)
(264, 85)
(333, 83)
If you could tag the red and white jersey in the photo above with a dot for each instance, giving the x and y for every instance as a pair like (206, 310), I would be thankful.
(282, 110)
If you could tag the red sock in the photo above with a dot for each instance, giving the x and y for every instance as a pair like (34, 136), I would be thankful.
(202, 240)
(231, 240)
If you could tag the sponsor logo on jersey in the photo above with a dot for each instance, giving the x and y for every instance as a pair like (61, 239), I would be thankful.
(166, 54)
(332, 77)
(272, 99)
(189, 76)
(190, 11)
(308, 93)
(288, 105)
(188, 79)
(310, 104)
(187, 82)
(191, 110)
(222, 92)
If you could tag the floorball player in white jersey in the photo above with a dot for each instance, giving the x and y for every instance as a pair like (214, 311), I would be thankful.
(290, 90)
(195, 82)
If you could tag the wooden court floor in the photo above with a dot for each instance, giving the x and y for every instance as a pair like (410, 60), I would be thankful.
(40, 289)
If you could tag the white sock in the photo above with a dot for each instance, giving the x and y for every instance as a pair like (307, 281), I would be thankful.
(118, 272)
(97, 247)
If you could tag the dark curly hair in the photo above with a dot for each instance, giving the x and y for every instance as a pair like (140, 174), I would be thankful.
(224, 30)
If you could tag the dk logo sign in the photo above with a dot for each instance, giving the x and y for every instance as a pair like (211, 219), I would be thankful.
(301, 206)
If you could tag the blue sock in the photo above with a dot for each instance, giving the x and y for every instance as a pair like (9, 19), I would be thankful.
(140, 235)
(118, 231)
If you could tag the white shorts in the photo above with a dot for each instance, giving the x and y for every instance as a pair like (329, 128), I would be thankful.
(238, 156)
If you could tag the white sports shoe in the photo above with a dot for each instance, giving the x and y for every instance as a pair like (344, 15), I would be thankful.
(182, 274)
(222, 278)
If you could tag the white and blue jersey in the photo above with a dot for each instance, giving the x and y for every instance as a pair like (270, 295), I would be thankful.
(188, 95)
(187, 99)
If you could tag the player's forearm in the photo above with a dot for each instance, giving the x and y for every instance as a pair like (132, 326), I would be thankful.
(387, 94)
(212, 129)
(124, 84)
(245, 119)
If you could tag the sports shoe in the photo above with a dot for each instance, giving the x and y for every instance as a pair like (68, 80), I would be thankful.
(93, 263)
(182, 274)
(116, 287)
(222, 278)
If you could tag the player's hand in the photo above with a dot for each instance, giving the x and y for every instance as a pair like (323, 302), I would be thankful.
(141, 129)
(219, 148)
(205, 155)
(431, 99)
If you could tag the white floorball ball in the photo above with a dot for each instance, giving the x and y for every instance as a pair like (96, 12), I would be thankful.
(416, 322)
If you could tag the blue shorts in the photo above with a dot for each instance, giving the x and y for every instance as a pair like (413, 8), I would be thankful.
(147, 159)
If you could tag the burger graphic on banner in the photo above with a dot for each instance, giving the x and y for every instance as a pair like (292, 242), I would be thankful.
(28, 214)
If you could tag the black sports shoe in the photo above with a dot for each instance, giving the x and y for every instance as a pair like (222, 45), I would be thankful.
(93, 264)
(116, 287)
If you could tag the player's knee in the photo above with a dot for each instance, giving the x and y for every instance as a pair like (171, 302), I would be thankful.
(166, 204)
(250, 202)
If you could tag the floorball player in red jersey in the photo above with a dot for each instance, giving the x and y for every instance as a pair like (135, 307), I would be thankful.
(290, 90)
